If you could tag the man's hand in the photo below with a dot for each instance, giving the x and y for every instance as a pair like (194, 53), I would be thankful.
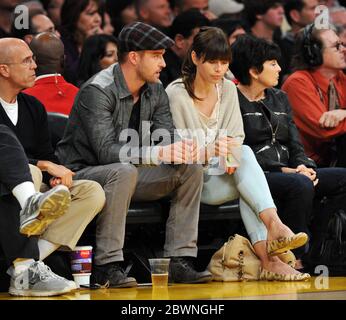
(331, 119)
(58, 171)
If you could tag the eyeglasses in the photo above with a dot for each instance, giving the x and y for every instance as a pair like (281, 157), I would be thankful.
(338, 46)
(26, 62)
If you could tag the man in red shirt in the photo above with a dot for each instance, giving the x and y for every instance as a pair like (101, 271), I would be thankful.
(317, 93)
(50, 87)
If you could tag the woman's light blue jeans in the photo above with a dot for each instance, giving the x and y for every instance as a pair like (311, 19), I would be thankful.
(247, 183)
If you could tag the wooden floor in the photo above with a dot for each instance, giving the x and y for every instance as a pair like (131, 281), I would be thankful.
(316, 289)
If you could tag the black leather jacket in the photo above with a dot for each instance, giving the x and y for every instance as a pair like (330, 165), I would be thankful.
(271, 132)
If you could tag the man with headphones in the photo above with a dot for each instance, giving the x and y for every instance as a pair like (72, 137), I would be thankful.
(51, 89)
(317, 93)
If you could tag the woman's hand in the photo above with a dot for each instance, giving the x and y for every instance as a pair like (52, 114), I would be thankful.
(309, 172)
(302, 169)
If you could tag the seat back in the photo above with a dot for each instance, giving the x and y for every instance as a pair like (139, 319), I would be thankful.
(56, 124)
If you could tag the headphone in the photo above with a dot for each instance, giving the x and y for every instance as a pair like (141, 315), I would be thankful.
(312, 52)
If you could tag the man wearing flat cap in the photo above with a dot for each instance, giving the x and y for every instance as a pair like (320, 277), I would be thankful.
(120, 133)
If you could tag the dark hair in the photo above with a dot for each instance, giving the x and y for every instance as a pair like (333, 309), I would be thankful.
(185, 22)
(252, 8)
(251, 52)
(70, 12)
(114, 9)
(228, 25)
(94, 49)
(293, 5)
(209, 44)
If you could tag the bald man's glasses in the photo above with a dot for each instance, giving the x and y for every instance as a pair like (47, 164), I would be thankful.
(26, 62)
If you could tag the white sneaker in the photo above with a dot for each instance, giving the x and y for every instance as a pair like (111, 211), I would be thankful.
(41, 209)
(38, 281)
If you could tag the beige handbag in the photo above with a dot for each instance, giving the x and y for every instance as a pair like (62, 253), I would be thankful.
(235, 261)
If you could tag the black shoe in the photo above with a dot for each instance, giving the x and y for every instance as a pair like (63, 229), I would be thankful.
(112, 275)
(181, 270)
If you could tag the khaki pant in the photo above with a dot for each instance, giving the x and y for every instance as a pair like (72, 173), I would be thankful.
(88, 199)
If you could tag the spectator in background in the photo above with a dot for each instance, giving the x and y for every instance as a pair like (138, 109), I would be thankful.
(299, 13)
(232, 28)
(6, 10)
(122, 12)
(34, 5)
(38, 22)
(337, 12)
(107, 25)
(50, 87)
(98, 53)
(185, 26)
(226, 8)
(264, 17)
(53, 8)
(154, 12)
(202, 5)
(79, 20)
(317, 93)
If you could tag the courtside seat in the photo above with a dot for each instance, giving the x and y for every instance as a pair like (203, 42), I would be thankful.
(145, 212)
(155, 211)
(226, 211)
(56, 125)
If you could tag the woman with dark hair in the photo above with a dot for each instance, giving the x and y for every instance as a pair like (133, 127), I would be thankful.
(270, 131)
(205, 107)
(79, 20)
(98, 53)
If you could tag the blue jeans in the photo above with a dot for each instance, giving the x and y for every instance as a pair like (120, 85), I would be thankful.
(249, 184)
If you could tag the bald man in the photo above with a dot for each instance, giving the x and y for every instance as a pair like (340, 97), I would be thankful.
(51, 89)
(26, 117)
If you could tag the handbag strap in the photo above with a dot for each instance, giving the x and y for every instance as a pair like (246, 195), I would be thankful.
(240, 258)
(241, 265)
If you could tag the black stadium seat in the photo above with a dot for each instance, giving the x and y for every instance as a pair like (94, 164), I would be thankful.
(56, 124)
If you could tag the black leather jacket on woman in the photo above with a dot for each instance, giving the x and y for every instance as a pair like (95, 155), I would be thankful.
(271, 132)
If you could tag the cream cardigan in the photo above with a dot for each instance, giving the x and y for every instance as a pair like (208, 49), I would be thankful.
(186, 115)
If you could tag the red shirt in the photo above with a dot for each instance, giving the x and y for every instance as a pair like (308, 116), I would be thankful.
(308, 96)
(54, 93)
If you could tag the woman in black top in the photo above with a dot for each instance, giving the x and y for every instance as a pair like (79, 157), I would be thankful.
(270, 131)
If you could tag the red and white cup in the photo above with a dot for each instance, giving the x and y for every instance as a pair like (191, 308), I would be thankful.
(81, 262)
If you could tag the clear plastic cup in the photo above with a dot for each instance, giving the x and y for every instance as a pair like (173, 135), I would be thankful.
(159, 271)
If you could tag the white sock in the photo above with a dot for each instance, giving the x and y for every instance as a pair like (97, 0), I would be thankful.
(46, 248)
(23, 191)
(21, 265)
